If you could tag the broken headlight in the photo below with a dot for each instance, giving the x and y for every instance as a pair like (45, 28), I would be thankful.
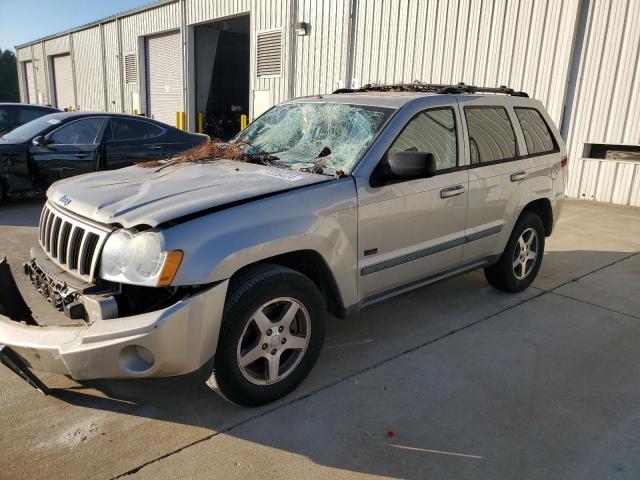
(138, 258)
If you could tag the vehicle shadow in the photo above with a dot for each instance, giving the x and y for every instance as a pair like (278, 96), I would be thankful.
(378, 335)
(21, 213)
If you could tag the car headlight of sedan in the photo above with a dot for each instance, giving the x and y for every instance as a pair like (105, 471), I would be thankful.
(138, 258)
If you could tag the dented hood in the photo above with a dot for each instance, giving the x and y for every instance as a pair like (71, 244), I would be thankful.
(150, 196)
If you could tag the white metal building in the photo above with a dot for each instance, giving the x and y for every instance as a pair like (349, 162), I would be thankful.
(579, 57)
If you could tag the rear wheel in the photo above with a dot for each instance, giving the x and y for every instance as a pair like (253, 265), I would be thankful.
(271, 335)
(522, 257)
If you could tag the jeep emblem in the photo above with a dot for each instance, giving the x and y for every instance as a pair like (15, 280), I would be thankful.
(64, 200)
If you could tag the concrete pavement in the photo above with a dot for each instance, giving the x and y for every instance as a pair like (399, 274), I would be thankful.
(455, 380)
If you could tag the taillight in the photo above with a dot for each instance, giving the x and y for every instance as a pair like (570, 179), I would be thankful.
(564, 163)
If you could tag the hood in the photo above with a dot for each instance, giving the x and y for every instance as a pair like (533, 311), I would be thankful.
(150, 196)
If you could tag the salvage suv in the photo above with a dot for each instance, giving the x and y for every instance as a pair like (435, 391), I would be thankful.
(227, 263)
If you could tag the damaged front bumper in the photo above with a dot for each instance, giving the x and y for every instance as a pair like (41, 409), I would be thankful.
(175, 340)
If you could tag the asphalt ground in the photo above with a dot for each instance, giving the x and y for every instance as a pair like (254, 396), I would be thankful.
(455, 380)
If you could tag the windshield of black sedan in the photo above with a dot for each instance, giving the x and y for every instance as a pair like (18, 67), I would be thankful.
(325, 138)
(29, 130)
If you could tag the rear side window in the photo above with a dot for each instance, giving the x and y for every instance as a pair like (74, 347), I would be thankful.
(27, 114)
(535, 130)
(125, 129)
(491, 135)
(7, 118)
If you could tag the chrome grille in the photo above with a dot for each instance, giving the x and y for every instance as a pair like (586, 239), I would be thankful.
(72, 243)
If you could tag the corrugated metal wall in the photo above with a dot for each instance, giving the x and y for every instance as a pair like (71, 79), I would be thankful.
(111, 67)
(199, 11)
(526, 44)
(607, 105)
(321, 56)
(88, 66)
(523, 44)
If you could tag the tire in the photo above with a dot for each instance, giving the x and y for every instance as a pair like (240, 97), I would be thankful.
(505, 274)
(274, 291)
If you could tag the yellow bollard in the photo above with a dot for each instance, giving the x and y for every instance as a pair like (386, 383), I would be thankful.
(183, 121)
(200, 122)
(243, 122)
(135, 111)
(178, 118)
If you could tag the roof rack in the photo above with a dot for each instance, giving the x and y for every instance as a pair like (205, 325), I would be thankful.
(421, 87)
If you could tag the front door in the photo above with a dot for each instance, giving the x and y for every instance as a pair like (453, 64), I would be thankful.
(72, 149)
(413, 229)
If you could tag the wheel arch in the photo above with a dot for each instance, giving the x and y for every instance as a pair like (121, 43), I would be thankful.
(313, 265)
(542, 208)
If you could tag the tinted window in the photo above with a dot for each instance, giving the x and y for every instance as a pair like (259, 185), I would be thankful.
(27, 114)
(80, 132)
(7, 118)
(491, 135)
(32, 129)
(124, 129)
(535, 131)
(431, 131)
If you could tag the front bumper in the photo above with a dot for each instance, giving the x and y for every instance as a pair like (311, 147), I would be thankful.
(173, 341)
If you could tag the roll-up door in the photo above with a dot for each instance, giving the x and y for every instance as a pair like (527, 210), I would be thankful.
(163, 66)
(63, 81)
(31, 83)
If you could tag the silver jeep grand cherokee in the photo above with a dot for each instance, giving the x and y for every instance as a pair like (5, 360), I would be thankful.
(229, 267)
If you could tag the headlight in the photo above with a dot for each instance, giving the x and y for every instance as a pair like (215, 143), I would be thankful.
(138, 259)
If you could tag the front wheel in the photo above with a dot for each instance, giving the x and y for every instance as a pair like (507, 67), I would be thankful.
(271, 335)
(522, 257)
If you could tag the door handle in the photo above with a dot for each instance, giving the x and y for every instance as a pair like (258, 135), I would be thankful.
(84, 156)
(452, 191)
(155, 147)
(515, 177)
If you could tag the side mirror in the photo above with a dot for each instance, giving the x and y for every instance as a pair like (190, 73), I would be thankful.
(408, 165)
(40, 141)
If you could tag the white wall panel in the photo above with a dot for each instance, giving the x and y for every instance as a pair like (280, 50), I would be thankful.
(199, 11)
(607, 103)
(112, 67)
(57, 45)
(473, 41)
(89, 74)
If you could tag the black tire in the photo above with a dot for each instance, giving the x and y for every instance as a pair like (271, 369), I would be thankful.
(248, 291)
(501, 275)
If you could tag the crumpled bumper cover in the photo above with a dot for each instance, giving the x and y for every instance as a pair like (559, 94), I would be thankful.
(180, 338)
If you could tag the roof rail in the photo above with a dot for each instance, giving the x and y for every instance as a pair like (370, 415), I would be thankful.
(421, 87)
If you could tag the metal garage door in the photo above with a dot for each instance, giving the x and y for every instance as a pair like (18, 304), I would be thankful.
(63, 81)
(163, 64)
(31, 82)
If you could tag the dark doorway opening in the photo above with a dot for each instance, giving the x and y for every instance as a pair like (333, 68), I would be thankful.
(222, 76)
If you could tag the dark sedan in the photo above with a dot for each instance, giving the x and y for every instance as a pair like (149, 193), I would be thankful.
(66, 144)
(12, 115)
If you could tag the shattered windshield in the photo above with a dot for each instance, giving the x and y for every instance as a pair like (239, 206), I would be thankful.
(325, 138)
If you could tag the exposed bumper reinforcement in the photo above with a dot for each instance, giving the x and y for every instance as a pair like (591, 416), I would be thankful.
(173, 341)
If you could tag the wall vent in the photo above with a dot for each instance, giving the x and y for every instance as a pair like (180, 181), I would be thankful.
(269, 53)
(131, 68)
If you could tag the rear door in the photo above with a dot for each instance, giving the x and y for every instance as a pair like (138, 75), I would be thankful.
(129, 141)
(72, 149)
(498, 185)
(409, 230)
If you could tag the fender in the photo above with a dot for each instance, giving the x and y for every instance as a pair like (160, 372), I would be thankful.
(321, 218)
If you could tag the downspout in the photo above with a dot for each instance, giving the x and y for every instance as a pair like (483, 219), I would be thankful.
(574, 70)
(121, 65)
(351, 34)
(105, 90)
(293, 46)
(73, 72)
(185, 64)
